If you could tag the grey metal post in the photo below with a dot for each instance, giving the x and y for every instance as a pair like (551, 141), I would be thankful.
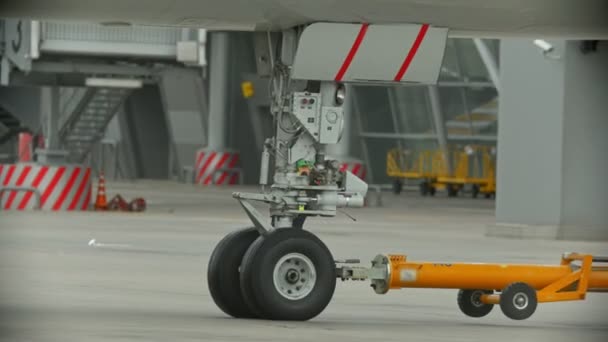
(50, 100)
(218, 90)
(49, 106)
(439, 123)
(489, 61)
(364, 149)
(394, 109)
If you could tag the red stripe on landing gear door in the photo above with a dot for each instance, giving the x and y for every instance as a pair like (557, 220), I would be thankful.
(351, 53)
(412, 53)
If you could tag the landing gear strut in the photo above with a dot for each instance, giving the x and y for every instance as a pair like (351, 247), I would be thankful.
(277, 270)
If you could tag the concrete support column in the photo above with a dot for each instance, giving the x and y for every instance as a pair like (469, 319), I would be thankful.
(552, 142)
(216, 164)
(218, 90)
(439, 123)
(50, 109)
(184, 101)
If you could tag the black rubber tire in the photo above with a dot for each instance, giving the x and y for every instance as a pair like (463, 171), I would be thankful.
(432, 190)
(424, 188)
(257, 271)
(487, 195)
(475, 190)
(223, 276)
(397, 186)
(469, 304)
(452, 190)
(507, 301)
(298, 221)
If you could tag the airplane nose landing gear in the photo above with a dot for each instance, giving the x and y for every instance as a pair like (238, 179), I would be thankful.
(285, 272)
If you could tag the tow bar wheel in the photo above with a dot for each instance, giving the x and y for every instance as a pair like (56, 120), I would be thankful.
(288, 274)
(469, 302)
(518, 301)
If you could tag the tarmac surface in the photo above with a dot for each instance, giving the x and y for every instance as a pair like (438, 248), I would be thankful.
(143, 276)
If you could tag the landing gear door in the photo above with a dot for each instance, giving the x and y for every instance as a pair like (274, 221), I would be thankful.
(362, 53)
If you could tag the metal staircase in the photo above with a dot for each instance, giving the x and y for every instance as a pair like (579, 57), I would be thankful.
(87, 123)
(10, 124)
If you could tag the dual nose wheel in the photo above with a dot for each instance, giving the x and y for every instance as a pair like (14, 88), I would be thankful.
(288, 274)
(518, 301)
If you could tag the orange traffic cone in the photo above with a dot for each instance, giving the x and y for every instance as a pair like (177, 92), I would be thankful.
(101, 203)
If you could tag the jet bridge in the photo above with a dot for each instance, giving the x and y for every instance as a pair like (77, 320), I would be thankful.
(84, 74)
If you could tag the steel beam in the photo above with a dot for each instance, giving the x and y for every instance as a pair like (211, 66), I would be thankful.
(425, 136)
(489, 61)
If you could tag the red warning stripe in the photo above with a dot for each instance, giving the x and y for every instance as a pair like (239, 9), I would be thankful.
(205, 166)
(49, 190)
(87, 199)
(66, 189)
(231, 165)
(25, 200)
(235, 176)
(80, 190)
(9, 175)
(20, 180)
(351, 54)
(219, 165)
(412, 53)
(7, 178)
(199, 160)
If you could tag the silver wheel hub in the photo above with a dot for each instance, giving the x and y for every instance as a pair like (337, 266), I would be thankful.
(294, 276)
(520, 301)
(476, 299)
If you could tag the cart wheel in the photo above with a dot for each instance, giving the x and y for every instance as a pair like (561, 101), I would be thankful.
(469, 302)
(288, 274)
(432, 190)
(424, 188)
(223, 272)
(397, 186)
(475, 190)
(452, 190)
(518, 301)
(488, 195)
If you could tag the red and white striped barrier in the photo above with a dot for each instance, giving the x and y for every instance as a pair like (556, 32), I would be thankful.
(209, 165)
(65, 188)
(356, 167)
